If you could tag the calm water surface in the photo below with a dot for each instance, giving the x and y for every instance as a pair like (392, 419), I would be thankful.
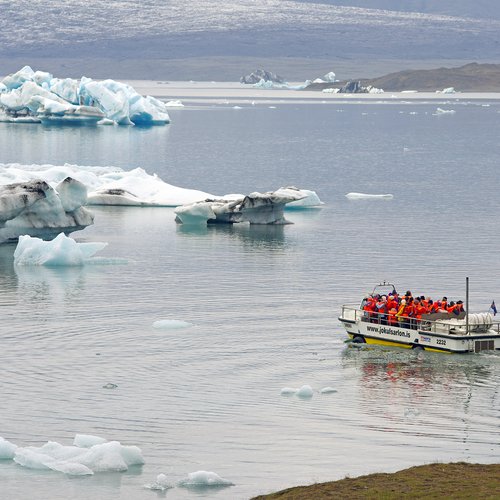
(264, 302)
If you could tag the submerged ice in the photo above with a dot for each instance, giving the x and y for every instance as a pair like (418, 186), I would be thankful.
(38, 95)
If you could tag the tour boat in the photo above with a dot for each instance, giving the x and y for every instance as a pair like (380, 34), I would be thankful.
(440, 332)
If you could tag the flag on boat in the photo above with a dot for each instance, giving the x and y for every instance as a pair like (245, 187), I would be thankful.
(493, 308)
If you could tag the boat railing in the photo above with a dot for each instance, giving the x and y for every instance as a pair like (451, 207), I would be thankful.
(444, 325)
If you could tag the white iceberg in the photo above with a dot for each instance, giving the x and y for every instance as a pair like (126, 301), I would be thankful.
(83, 101)
(327, 390)
(61, 251)
(366, 196)
(202, 479)
(37, 209)
(255, 208)
(440, 111)
(109, 456)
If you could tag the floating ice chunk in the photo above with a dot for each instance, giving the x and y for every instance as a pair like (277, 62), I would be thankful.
(365, 196)
(330, 91)
(175, 103)
(105, 457)
(109, 385)
(202, 479)
(61, 251)
(87, 440)
(327, 390)
(448, 90)
(171, 324)
(305, 391)
(161, 483)
(440, 111)
(288, 391)
(195, 213)
(34, 208)
(72, 193)
(7, 449)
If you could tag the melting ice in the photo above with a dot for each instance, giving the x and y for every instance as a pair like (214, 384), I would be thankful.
(61, 251)
(107, 456)
(36, 95)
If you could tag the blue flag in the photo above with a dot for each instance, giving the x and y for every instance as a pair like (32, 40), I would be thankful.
(493, 308)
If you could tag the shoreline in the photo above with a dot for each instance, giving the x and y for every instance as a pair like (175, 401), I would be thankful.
(458, 480)
(234, 92)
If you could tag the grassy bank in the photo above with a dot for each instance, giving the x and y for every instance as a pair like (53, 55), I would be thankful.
(442, 481)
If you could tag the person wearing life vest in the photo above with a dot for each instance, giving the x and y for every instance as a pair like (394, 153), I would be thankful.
(368, 307)
(392, 303)
(401, 311)
(420, 309)
(451, 308)
(444, 304)
(392, 319)
(459, 307)
(433, 306)
(381, 309)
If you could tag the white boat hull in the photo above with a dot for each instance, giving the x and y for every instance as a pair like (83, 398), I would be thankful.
(428, 338)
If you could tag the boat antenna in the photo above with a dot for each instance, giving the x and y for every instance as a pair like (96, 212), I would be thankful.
(467, 306)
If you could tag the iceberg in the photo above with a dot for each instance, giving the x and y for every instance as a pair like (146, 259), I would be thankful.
(440, 111)
(255, 208)
(110, 456)
(84, 101)
(35, 208)
(61, 251)
(201, 479)
(161, 484)
(365, 196)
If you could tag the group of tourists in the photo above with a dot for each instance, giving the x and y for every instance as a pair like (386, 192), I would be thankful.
(406, 311)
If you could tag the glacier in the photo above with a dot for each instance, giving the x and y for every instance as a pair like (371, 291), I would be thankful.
(29, 95)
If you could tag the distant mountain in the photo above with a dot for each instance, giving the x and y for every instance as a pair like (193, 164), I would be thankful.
(471, 77)
(208, 39)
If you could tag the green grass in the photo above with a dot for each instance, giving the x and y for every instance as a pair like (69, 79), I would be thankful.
(435, 481)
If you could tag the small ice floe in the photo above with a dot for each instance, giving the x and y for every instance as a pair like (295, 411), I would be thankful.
(109, 456)
(174, 104)
(109, 385)
(448, 90)
(61, 251)
(366, 196)
(328, 390)
(7, 449)
(440, 111)
(272, 107)
(305, 392)
(202, 479)
(237, 107)
(161, 484)
(171, 324)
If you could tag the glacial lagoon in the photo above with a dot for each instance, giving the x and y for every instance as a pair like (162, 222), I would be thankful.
(91, 349)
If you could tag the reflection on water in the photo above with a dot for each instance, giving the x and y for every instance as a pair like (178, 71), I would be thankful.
(263, 235)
